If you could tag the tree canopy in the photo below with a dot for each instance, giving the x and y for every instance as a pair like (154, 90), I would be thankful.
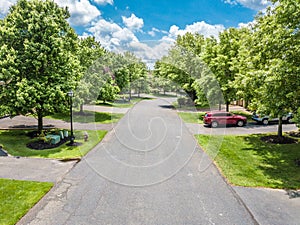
(38, 58)
(259, 63)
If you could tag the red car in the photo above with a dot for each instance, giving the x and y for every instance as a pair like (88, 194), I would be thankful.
(216, 118)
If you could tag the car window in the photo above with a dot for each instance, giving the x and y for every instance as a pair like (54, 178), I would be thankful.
(219, 114)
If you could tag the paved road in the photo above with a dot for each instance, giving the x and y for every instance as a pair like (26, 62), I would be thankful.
(148, 170)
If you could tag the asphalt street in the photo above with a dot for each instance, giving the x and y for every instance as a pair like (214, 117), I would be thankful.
(147, 170)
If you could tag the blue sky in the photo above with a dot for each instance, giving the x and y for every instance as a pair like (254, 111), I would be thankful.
(148, 28)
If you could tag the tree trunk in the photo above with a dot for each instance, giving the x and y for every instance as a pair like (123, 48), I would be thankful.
(81, 108)
(279, 133)
(129, 92)
(40, 122)
(227, 106)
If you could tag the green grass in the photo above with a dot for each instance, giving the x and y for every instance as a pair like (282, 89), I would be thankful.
(89, 117)
(188, 117)
(123, 104)
(248, 161)
(14, 142)
(17, 197)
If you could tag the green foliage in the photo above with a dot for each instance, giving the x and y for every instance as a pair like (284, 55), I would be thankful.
(277, 46)
(259, 63)
(37, 58)
(90, 52)
(18, 197)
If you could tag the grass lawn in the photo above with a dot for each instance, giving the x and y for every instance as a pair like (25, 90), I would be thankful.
(123, 104)
(188, 117)
(89, 117)
(17, 197)
(14, 142)
(248, 161)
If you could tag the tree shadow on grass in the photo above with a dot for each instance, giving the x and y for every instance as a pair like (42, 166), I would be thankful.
(278, 161)
(89, 117)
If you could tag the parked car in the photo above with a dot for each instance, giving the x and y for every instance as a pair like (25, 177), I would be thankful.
(265, 119)
(216, 118)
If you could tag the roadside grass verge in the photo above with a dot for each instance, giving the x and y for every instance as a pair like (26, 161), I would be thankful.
(248, 161)
(189, 117)
(14, 142)
(17, 197)
(120, 103)
(88, 117)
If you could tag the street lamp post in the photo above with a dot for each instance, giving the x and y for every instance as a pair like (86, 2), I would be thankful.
(72, 137)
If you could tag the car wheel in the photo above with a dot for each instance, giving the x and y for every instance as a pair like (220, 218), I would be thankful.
(265, 122)
(214, 124)
(240, 123)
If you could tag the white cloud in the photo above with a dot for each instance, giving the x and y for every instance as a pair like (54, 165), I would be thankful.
(5, 5)
(203, 28)
(82, 11)
(154, 31)
(252, 4)
(133, 22)
(104, 2)
(120, 39)
(111, 35)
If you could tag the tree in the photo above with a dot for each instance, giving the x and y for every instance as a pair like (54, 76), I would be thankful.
(38, 57)
(223, 64)
(109, 91)
(89, 52)
(131, 69)
(278, 46)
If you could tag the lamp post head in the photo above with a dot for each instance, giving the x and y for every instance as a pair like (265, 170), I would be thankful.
(71, 93)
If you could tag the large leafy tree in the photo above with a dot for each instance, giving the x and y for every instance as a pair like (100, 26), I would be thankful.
(222, 64)
(279, 48)
(90, 52)
(38, 61)
(128, 70)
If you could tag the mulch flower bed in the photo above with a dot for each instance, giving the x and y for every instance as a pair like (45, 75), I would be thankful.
(294, 134)
(41, 145)
(274, 139)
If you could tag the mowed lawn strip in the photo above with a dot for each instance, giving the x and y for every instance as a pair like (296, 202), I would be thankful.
(88, 117)
(14, 142)
(120, 103)
(17, 197)
(248, 161)
(189, 117)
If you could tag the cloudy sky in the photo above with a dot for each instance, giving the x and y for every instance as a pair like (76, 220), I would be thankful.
(148, 28)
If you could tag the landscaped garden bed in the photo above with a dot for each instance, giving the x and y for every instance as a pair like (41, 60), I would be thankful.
(15, 143)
